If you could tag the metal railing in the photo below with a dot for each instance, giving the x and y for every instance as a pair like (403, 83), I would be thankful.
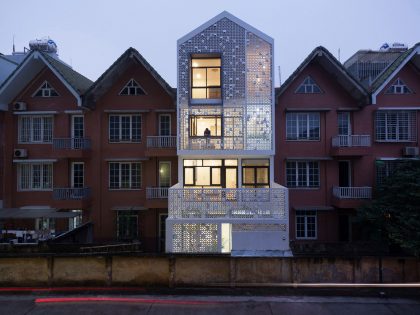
(157, 192)
(161, 141)
(72, 143)
(239, 203)
(351, 141)
(352, 192)
(71, 193)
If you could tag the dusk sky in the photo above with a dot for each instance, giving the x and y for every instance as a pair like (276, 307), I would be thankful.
(91, 35)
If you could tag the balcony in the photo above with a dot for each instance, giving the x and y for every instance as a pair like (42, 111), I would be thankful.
(157, 192)
(350, 197)
(69, 198)
(161, 146)
(227, 203)
(71, 147)
(350, 145)
(157, 197)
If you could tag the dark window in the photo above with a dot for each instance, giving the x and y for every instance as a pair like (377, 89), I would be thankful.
(132, 88)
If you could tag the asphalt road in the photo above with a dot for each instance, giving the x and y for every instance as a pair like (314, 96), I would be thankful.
(34, 304)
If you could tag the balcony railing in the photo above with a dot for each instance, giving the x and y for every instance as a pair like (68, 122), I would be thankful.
(352, 192)
(161, 141)
(71, 193)
(157, 192)
(239, 203)
(351, 141)
(71, 144)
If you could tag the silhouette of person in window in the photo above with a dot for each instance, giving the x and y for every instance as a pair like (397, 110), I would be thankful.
(207, 135)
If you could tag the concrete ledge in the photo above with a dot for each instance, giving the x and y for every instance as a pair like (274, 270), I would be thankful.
(205, 271)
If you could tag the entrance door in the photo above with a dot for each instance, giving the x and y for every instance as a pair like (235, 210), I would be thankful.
(344, 173)
(77, 175)
(162, 231)
(77, 131)
(344, 128)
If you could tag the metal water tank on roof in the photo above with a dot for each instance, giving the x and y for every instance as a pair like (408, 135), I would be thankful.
(45, 44)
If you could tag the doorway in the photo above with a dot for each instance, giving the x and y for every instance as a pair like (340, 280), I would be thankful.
(344, 173)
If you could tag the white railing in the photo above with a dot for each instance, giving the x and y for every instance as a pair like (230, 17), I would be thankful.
(239, 203)
(157, 192)
(71, 143)
(351, 141)
(352, 192)
(161, 141)
(71, 193)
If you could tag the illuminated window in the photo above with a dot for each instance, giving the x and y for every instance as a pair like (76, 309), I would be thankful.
(399, 87)
(308, 86)
(199, 124)
(46, 90)
(255, 173)
(132, 88)
(205, 78)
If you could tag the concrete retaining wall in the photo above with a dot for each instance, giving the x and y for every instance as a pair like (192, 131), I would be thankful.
(181, 270)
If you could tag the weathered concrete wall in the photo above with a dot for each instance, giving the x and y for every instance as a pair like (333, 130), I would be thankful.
(183, 270)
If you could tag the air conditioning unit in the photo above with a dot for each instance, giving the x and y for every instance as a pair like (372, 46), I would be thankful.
(411, 151)
(20, 153)
(18, 106)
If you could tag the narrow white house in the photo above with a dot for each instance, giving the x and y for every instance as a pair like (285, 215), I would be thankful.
(226, 200)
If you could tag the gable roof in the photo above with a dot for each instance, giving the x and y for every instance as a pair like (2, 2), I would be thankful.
(230, 17)
(332, 66)
(33, 63)
(395, 67)
(101, 85)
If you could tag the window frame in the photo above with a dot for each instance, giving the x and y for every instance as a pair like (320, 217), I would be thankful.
(137, 87)
(195, 117)
(308, 86)
(398, 84)
(46, 183)
(120, 128)
(384, 133)
(127, 215)
(120, 175)
(43, 90)
(169, 124)
(307, 175)
(206, 100)
(296, 126)
(306, 214)
(31, 131)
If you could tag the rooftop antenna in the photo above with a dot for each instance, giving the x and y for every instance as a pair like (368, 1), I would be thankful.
(280, 75)
(13, 43)
(339, 55)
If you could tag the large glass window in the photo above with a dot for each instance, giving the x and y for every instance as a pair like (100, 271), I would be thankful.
(199, 124)
(302, 174)
(255, 173)
(306, 224)
(210, 173)
(395, 126)
(125, 128)
(35, 176)
(35, 129)
(205, 78)
(127, 225)
(124, 175)
(302, 126)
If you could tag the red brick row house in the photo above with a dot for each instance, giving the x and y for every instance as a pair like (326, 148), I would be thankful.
(77, 151)
(340, 130)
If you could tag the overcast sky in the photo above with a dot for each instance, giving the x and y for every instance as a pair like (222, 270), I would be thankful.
(92, 34)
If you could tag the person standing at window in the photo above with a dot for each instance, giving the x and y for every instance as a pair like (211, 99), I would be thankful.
(207, 135)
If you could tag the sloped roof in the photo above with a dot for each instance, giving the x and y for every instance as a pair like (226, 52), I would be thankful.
(79, 82)
(34, 62)
(402, 59)
(332, 65)
(99, 87)
(230, 17)
(7, 59)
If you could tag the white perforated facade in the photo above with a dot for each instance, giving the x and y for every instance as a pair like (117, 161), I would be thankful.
(225, 107)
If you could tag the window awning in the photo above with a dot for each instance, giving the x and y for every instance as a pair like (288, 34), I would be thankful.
(35, 213)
